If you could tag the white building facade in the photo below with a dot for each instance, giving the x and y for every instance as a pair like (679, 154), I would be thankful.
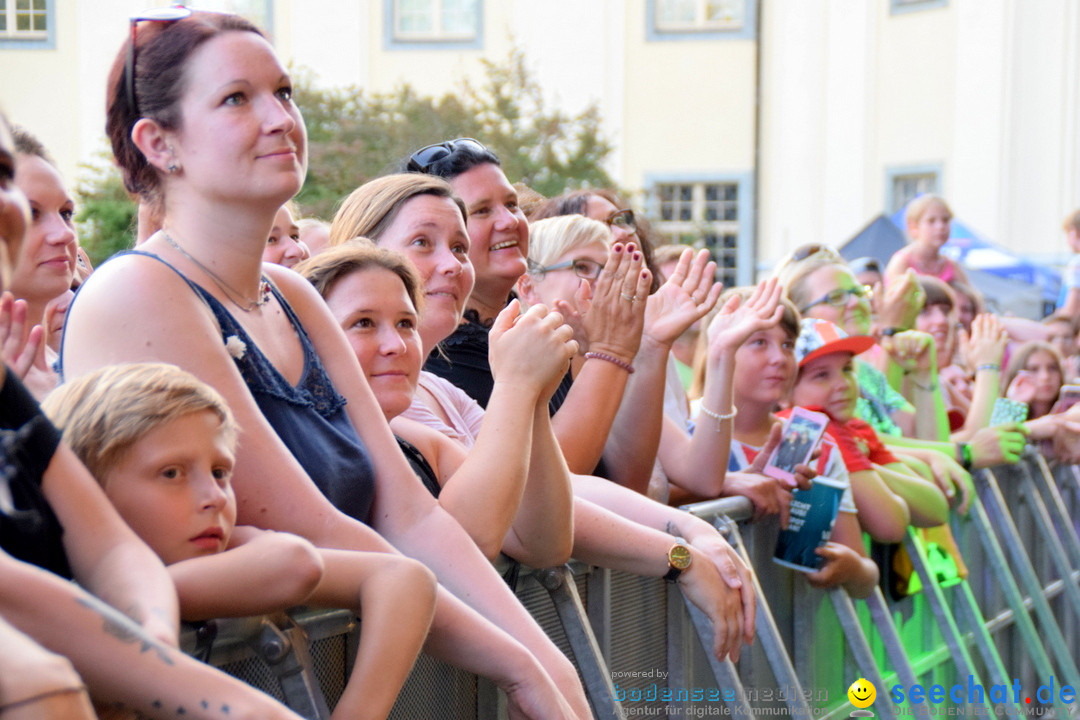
(752, 126)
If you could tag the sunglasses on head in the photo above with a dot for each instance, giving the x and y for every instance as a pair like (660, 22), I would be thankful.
(168, 14)
(806, 251)
(622, 219)
(422, 160)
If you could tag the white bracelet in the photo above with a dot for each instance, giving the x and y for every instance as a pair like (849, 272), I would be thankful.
(718, 417)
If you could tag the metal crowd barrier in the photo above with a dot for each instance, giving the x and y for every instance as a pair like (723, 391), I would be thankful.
(1014, 622)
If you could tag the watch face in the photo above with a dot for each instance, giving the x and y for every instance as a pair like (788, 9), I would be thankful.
(679, 557)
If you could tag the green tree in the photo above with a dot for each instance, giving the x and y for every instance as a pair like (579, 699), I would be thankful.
(357, 135)
(106, 217)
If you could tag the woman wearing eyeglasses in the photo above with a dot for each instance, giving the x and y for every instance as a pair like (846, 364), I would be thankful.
(202, 122)
(819, 283)
(603, 205)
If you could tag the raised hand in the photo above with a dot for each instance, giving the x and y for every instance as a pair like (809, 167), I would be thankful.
(687, 296)
(616, 315)
(17, 353)
(900, 302)
(1022, 388)
(986, 343)
(738, 320)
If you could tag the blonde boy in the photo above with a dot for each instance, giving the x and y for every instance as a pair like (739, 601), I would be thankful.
(162, 443)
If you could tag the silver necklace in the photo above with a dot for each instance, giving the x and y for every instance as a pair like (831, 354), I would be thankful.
(228, 290)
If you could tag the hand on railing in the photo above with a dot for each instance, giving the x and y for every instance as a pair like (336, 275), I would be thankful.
(703, 585)
(998, 445)
(736, 574)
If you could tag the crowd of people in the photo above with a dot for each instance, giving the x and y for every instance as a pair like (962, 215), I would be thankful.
(253, 410)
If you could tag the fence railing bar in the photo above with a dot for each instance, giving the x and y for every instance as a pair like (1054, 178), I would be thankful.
(894, 646)
(590, 661)
(860, 648)
(1025, 574)
(962, 659)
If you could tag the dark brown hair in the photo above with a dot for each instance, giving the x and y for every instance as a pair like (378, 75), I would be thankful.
(162, 51)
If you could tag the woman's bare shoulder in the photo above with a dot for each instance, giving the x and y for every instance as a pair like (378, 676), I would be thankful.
(135, 308)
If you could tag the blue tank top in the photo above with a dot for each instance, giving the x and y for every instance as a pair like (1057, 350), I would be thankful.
(309, 418)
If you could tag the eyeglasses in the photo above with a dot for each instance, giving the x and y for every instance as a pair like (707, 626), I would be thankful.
(584, 268)
(422, 160)
(623, 219)
(169, 14)
(839, 297)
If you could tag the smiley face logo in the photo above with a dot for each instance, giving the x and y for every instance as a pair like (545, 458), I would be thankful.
(862, 693)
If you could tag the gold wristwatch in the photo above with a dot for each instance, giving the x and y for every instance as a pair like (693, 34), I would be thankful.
(678, 558)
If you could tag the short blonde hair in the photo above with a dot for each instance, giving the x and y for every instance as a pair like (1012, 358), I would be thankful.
(103, 414)
(918, 207)
(1072, 222)
(553, 237)
(795, 267)
(371, 208)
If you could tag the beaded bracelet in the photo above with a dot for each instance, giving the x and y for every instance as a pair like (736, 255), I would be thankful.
(988, 366)
(718, 417)
(611, 359)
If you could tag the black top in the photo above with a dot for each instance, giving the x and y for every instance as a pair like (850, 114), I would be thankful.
(309, 418)
(420, 466)
(29, 530)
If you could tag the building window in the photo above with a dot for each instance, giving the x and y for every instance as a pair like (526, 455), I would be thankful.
(437, 21)
(905, 6)
(905, 184)
(698, 15)
(700, 20)
(24, 19)
(705, 215)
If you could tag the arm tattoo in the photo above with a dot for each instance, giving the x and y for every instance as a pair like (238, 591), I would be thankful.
(671, 528)
(123, 629)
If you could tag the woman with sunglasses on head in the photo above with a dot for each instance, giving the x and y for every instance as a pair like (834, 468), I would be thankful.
(515, 502)
(60, 641)
(202, 122)
(584, 413)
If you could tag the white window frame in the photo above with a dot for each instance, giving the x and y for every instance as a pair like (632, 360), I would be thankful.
(894, 175)
(900, 7)
(437, 34)
(735, 264)
(699, 23)
(11, 13)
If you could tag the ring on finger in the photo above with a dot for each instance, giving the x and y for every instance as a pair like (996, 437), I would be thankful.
(631, 298)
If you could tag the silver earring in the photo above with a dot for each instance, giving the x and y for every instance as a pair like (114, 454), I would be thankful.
(172, 168)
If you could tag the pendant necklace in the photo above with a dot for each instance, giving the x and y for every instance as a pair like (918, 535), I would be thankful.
(228, 290)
